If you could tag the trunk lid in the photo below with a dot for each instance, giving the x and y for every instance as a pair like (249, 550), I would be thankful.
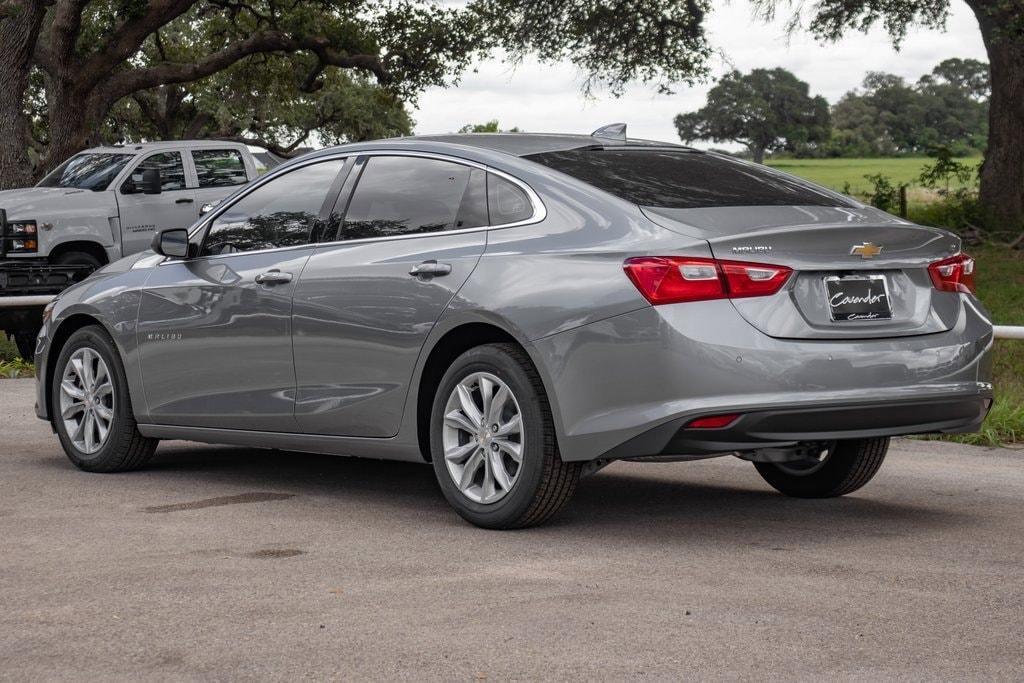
(836, 254)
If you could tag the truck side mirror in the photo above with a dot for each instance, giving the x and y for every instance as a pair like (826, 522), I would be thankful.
(173, 243)
(151, 183)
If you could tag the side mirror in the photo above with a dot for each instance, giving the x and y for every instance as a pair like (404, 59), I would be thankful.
(173, 243)
(151, 183)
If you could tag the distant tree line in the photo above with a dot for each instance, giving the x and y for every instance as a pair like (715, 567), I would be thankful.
(772, 111)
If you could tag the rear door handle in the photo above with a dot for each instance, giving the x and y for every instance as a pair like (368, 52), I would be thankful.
(273, 277)
(183, 200)
(431, 269)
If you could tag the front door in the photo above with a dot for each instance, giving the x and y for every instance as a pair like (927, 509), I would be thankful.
(144, 214)
(367, 301)
(215, 331)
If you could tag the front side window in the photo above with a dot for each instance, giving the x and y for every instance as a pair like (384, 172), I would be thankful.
(87, 171)
(219, 167)
(172, 173)
(279, 213)
(402, 195)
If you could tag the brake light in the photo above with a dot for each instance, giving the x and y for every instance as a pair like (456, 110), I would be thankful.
(953, 274)
(676, 279)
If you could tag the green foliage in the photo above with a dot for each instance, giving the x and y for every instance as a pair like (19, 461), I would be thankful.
(11, 364)
(884, 195)
(491, 126)
(945, 171)
(765, 110)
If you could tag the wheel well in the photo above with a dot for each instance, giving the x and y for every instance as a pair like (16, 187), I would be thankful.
(453, 344)
(92, 248)
(60, 336)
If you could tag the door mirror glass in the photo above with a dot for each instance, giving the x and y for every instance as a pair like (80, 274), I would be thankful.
(173, 243)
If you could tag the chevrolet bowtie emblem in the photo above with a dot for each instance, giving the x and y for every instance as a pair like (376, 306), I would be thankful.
(866, 250)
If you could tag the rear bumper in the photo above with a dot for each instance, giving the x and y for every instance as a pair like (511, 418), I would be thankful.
(779, 426)
(625, 386)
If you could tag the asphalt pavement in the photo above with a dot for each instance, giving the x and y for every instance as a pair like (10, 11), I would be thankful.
(224, 563)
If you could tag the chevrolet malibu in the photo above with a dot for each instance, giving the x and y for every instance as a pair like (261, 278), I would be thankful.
(520, 310)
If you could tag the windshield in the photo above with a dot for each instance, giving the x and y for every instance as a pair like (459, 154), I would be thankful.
(87, 171)
(685, 180)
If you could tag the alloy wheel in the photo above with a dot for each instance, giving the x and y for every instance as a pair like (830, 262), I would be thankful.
(87, 400)
(483, 438)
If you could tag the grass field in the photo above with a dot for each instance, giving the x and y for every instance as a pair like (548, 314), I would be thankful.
(835, 173)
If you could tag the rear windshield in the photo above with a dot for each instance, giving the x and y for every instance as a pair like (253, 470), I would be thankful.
(684, 180)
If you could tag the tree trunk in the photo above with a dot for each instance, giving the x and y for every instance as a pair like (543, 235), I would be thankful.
(757, 152)
(19, 28)
(75, 121)
(1002, 174)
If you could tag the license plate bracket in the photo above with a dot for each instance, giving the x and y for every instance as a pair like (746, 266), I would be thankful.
(858, 297)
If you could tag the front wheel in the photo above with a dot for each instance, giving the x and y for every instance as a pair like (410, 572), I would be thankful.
(833, 469)
(492, 441)
(91, 408)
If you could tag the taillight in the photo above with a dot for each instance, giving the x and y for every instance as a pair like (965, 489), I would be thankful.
(675, 279)
(953, 274)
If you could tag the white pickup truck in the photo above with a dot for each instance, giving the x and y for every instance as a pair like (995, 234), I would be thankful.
(100, 205)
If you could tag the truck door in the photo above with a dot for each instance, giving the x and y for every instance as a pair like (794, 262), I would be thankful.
(219, 172)
(143, 214)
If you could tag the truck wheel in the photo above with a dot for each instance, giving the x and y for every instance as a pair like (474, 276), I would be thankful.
(492, 441)
(91, 409)
(78, 258)
(840, 467)
(25, 340)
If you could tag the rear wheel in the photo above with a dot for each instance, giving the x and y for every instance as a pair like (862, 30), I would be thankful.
(834, 469)
(91, 408)
(492, 441)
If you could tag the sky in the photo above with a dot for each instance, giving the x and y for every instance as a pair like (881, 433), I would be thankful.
(547, 98)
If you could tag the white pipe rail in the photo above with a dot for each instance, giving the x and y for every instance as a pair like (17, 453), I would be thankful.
(1008, 332)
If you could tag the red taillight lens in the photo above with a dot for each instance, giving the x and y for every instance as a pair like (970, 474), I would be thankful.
(676, 279)
(712, 421)
(954, 274)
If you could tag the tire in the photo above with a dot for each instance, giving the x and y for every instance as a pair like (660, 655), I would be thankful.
(540, 484)
(78, 258)
(25, 340)
(847, 466)
(123, 448)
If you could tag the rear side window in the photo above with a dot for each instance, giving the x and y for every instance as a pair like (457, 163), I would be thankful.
(279, 213)
(401, 195)
(172, 173)
(684, 180)
(219, 167)
(507, 201)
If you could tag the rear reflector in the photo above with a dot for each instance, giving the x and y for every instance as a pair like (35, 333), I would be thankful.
(675, 279)
(712, 421)
(954, 274)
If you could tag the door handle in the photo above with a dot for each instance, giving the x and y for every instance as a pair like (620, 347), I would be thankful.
(273, 277)
(183, 200)
(431, 269)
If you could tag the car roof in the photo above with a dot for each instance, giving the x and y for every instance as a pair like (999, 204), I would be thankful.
(523, 144)
(137, 147)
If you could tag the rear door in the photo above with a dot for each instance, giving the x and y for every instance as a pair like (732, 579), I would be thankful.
(404, 243)
(215, 331)
(144, 214)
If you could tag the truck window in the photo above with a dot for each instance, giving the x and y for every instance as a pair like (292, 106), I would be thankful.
(172, 173)
(280, 213)
(219, 167)
(87, 171)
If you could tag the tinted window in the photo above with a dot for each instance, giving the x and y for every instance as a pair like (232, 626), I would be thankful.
(87, 171)
(399, 195)
(507, 201)
(684, 180)
(172, 173)
(280, 213)
(219, 167)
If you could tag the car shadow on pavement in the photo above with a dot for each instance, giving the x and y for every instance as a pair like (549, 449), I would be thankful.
(666, 505)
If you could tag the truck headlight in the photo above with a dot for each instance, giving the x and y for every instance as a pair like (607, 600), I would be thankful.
(21, 237)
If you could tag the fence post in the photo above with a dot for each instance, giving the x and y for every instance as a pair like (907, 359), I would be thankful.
(903, 201)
